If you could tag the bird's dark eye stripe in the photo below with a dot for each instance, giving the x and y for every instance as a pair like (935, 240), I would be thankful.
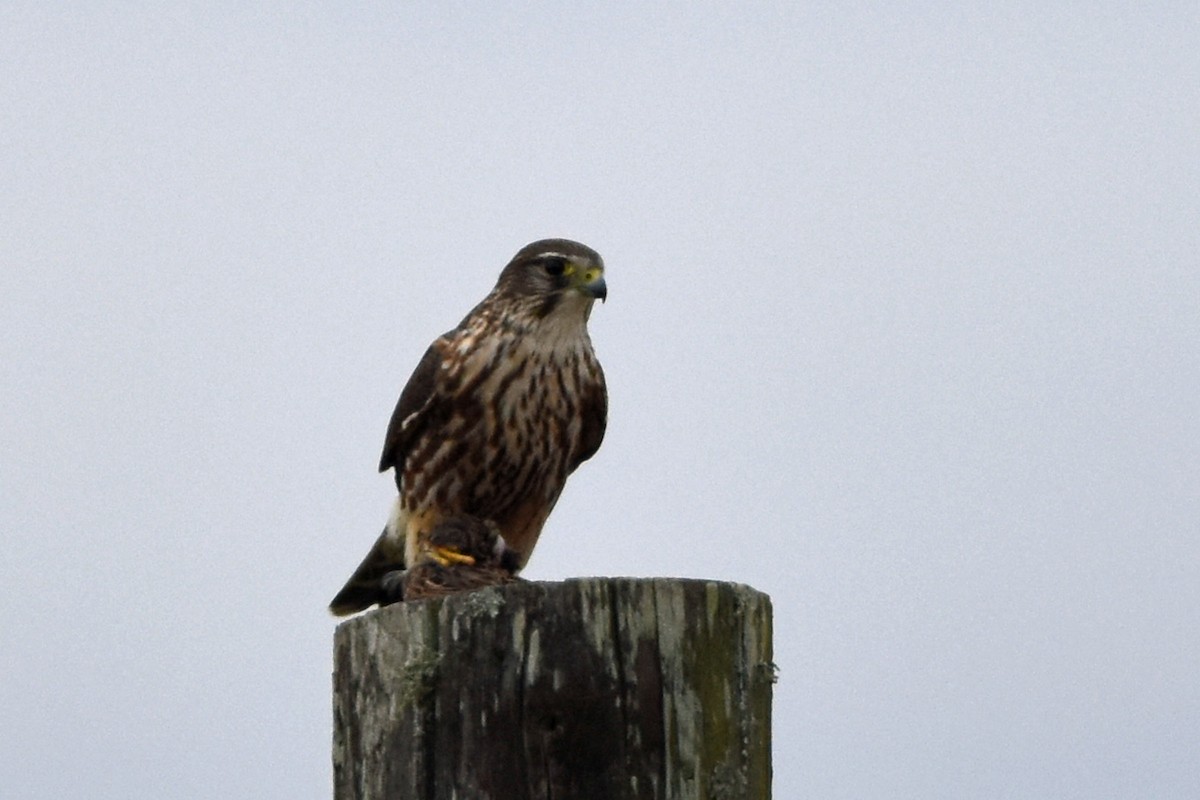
(554, 265)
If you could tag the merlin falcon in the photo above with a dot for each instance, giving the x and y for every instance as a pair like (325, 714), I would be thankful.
(498, 413)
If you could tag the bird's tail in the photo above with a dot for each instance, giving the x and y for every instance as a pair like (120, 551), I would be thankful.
(367, 586)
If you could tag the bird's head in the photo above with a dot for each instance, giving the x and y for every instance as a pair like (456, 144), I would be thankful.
(562, 276)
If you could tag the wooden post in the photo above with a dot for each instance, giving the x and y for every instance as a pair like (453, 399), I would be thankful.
(592, 688)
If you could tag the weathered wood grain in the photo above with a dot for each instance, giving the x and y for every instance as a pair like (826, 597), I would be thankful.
(592, 688)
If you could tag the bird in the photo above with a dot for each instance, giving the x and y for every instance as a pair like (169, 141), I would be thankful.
(464, 553)
(497, 414)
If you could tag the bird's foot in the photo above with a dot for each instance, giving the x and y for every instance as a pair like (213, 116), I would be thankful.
(448, 555)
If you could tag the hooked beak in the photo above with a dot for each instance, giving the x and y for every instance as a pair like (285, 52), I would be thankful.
(595, 288)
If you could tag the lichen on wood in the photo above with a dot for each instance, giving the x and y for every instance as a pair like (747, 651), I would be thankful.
(590, 688)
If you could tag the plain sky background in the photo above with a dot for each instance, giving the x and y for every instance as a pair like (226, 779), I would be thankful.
(903, 329)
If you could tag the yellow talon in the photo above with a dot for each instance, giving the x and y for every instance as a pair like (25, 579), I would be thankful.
(448, 555)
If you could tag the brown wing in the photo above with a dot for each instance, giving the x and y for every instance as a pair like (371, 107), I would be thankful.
(593, 411)
(412, 411)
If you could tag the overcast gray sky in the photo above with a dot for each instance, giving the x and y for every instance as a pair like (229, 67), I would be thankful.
(903, 329)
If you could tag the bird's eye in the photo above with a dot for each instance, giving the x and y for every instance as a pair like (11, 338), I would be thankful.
(555, 266)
